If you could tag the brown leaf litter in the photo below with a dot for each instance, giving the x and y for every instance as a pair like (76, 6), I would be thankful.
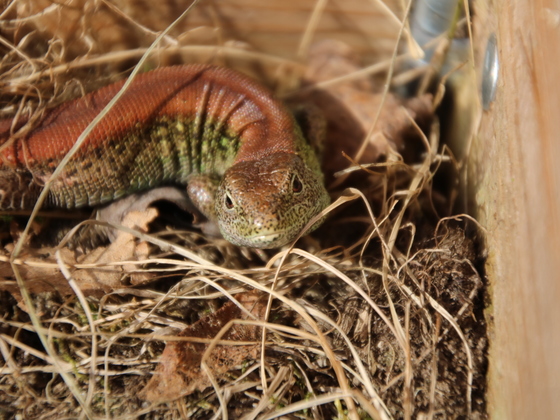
(179, 371)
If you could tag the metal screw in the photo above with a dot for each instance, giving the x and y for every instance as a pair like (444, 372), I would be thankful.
(490, 72)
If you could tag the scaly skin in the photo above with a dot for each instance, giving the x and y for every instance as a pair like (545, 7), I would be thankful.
(245, 160)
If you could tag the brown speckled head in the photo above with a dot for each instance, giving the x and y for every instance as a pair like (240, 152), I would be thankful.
(265, 203)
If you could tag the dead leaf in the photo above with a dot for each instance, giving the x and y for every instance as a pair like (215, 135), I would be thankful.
(123, 248)
(350, 108)
(41, 273)
(179, 372)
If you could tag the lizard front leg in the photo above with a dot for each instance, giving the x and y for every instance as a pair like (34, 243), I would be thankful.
(201, 190)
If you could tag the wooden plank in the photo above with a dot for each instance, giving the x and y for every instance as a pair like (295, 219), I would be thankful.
(517, 157)
(277, 27)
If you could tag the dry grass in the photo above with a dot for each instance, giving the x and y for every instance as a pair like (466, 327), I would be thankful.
(378, 315)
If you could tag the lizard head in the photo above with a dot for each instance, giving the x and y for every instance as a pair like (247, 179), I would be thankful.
(266, 203)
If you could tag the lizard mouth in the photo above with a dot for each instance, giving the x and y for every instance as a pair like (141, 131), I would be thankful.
(269, 240)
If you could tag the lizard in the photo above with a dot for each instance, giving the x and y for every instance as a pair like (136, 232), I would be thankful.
(239, 151)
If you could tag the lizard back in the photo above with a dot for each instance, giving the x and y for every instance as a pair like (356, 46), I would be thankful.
(169, 124)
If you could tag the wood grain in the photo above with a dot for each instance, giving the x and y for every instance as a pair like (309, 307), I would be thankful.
(518, 198)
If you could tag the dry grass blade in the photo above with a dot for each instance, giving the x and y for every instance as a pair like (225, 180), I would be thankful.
(310, 28)
(19, 245)
(85, 306)
(377, 314)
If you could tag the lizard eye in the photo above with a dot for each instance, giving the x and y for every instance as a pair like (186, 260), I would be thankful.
(297, 186)
(228, 202)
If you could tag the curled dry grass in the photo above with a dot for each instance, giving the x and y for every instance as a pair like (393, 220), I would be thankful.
(380, 316)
